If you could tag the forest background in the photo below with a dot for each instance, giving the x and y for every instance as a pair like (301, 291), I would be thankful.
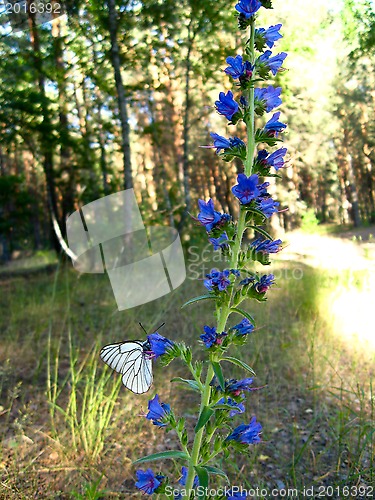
(112, 96)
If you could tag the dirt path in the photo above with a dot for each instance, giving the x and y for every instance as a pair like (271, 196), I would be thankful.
(353, 250)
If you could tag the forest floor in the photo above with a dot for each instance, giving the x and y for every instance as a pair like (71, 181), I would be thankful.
(313, 351)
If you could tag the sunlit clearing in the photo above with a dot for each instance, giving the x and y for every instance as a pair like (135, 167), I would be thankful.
(352, 314)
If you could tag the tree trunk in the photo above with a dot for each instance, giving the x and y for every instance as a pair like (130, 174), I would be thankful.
(46, 127)
(121, 97)
(185, 157)
(101, 134)
(64, 134)
(354, 193)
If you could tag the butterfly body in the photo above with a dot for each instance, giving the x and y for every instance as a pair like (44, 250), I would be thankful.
(132, 359)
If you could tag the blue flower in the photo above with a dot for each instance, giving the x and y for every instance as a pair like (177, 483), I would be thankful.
(226, 105)
(244, 327)
(247, 281)
(211, 337)
(184, 473)
(237, 407)
(159, 344)
(235, 142)
(269, 97)
(248, 7)
(235, 272)
(147, 481)
(237, 386)
(208, 216)
(266, 246)
(262, 157)
(273, 125)
(238, 68)
(276, 159)
(247, 434)
(217, 279)
(158, 411)
(273, 63)
(268, 206)
(243, 101)
(221, 242)
(221, 142)
(247, 188)
(270, 35)
(265, 282)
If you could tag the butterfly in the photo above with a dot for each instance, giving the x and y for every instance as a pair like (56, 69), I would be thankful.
(132, 359)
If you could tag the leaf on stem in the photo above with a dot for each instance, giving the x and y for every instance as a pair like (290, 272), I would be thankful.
(261, 231)
(256, 211)
(243, 313)
(217, 471)
(219, 374)
(202, 474)
(193, 384)
(204, 417)
(197, 299)
(172, 454)
(239, 363)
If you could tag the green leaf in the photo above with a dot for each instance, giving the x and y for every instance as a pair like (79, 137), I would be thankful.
(219, 374)
(222, 406)
(257, 212)
(163, 454)
(203, 480)
(204, 417)
(240, 363)
(215, 470)
(198, 299)
(243, 313)
(193, 384)
(261, 231)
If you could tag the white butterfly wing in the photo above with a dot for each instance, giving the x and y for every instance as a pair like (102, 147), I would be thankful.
(129, 359)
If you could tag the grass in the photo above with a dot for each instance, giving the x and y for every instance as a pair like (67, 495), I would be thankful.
(70, 430)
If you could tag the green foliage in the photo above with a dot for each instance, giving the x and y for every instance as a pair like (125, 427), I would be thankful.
(91, 491)
(309, 221)
(16, 211)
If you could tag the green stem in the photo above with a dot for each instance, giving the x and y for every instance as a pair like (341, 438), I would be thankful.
(197, 379)
(222, 321)
(224, 312)
(194, 459)
(250, 122)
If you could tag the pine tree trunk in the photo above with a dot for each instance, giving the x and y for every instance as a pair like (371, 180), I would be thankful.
(46, 128)
(65, 140)
(121, 97)
(354, 193)
(185, 157)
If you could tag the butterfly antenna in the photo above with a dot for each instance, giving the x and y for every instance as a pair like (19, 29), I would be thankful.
(143, 328)
(158, 328)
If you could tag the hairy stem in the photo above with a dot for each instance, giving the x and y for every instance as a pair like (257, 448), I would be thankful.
(250, 122)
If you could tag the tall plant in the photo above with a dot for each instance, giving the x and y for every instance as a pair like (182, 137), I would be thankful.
(224, 398)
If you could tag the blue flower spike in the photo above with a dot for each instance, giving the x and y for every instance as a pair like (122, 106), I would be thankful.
(249, 202)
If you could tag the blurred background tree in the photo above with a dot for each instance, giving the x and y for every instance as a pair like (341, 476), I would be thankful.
(120, 93)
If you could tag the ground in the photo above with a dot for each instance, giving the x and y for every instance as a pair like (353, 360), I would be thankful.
(69, 429)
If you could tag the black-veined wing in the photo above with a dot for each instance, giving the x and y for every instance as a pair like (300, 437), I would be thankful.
(130, 358)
